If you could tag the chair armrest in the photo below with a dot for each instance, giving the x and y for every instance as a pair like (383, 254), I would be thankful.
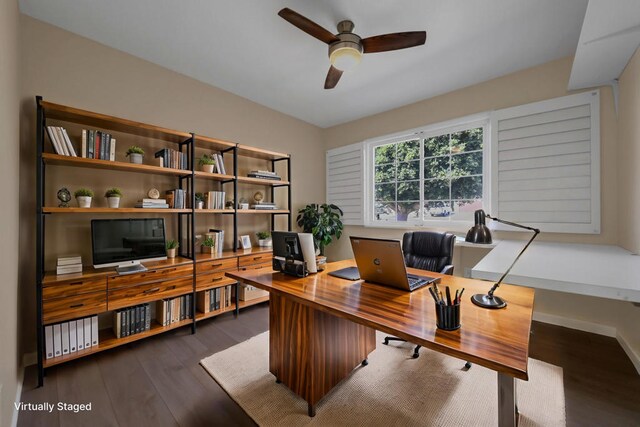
(448, 269)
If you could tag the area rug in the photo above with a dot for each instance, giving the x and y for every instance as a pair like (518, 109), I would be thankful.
(393, 390)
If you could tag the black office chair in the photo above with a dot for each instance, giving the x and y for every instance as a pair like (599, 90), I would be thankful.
(427, 250)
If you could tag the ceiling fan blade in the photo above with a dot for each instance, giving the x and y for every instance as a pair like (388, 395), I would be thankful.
(307, 25)
(333, 76)
(394, 41)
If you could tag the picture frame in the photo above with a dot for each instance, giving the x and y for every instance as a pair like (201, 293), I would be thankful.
(245, 242)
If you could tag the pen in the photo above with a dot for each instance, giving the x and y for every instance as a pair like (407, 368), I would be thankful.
(433, 294)
(455, 300)
(460, 296)
(448, 295)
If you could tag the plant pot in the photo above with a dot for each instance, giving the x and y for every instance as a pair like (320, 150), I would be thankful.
(84, 201)
(171, 253)
(264, 243)
(199, 204)
(114, 202)
(135, 158)
(208, 249)
(207, 168)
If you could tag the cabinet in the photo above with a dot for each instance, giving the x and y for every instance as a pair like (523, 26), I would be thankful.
(66, 298)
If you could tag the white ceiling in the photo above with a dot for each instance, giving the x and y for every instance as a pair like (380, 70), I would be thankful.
(245, 48)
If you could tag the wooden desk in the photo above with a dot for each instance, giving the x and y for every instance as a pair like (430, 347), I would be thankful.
(322, 327)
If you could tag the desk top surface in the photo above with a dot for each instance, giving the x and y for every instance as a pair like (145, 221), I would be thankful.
(497, 339)
(597, 270)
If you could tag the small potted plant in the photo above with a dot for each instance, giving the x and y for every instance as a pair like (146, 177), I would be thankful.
(264, 239)
(135, 154)
(199, 200)
(207, 163)
(113, 196)
(83, 196)
(208, 245)
(172, 245)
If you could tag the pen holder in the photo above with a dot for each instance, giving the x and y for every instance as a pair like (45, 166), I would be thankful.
(448, 317)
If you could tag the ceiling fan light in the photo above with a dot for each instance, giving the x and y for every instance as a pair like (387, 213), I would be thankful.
(345, 58)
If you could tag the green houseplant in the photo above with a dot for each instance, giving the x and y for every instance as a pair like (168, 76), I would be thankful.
(199, 200)
(83, 196)
(135, 154)
(264, 239)
(172, 245)
(113, 196)
(208, 245)
(207, 163)
(323, 221)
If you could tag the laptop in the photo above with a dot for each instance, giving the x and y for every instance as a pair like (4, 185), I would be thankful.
(381, 261)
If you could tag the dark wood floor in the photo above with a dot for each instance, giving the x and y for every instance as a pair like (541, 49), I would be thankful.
(158, 381)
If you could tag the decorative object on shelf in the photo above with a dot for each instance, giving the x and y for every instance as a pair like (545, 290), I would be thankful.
(172, 245)
(264, 175)
(208, 245)
(199, 200)
(64, 196)
(321, 262)
(258, 196)
(245, 242)
(153, 193)
(264, 239)
(489, 300)
(83, 196)
(229, 205)
(323, 221)
(135, 154)
(113, 196)
(207, 163)
(243, 204)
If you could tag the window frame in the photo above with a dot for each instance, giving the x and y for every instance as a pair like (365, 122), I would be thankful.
(424, 132)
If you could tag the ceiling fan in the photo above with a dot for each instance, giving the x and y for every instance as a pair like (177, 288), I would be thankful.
(346, 48)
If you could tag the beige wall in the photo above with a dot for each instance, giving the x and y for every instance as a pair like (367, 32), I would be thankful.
(10, 359)
(68, 69)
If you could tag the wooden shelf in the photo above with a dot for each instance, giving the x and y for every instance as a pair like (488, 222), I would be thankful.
(112, 210)
(200, 257)
(103, 121)
(249, 303)
(214, 211)
(260, 181)
(108, 340)
(202, 316)
(259, 153)
(213, 143)
(263, 211)
(81, 162)
(214, 176)
(226, 281)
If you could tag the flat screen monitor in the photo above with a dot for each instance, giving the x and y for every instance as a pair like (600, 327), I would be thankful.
(286, 245)
(126, 242)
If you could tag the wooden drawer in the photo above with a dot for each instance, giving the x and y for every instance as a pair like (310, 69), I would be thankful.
(216, 265)
(246, 260)
(132, 295)
(207, 281)
(71, 288)
(57, 310)
(127, 280)
(256, 266)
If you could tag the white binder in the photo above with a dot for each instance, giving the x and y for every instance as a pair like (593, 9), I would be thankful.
(80, 334)
(87, 332)
(94, 331)
(48, 339)
(64, 330)
(73, 346)
(57, 341)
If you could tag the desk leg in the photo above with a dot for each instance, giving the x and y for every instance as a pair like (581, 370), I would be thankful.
(507, 401)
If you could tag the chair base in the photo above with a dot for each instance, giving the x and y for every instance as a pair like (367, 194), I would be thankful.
(416, 351)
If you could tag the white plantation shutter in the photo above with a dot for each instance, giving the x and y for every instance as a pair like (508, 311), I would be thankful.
(545, 164)
(345, 181)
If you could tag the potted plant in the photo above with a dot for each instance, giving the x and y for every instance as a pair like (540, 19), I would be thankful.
(323, 221)
(135, 154)
(264, 239)
(208, 245)
(113, 196)
(199, 200)
(206, 163)
(172, 245)
(83, 196)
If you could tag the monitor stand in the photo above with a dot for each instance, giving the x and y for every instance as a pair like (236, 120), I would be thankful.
(130, 269)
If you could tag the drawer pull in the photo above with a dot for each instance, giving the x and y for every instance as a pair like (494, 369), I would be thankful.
(75, 283)
(216, 279)
(255, 258)
(76, 305)
(243, 268)
(150, 291)
(216, 265)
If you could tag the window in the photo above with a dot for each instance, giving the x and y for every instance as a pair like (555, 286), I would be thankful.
(428, 177)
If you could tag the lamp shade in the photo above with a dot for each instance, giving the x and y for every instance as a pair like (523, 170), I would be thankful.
(345, 58)
(479, 233)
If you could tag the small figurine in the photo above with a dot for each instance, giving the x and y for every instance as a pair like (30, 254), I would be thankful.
(64, 196)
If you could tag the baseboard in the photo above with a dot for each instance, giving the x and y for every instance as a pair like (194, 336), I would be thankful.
(29, 359)
(580, 325)
(633, 356)
(14, 417)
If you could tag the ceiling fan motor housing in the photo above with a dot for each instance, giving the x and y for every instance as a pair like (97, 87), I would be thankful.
(346, 52)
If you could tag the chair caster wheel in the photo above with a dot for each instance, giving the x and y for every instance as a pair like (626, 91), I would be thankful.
(386, 341)
(416, 355)
(278, 381)
(365, 362)
(467, 365)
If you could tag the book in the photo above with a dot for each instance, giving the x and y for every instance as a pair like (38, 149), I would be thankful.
(53, 141)
(87, 332)
(98, 142)
(80, 334)
(83, 146)
(48, 341)
(64, 331)
(94, 331)
(72, 151)
(57, 340)
(112, 153)
(69, 259)
(91, 145)
(68, 269)
(60, 139)
(73, 346)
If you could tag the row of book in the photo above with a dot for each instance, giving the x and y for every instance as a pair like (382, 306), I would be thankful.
(173, 158)
(70, 337)
(218, 167)
(218, 238)
(69, 264)
(214, 200)
(131, 320)
(98, 145)
(264, 175)
(152, 204)
(176, 199)
(60, 141)
(214, 299)
(173, 310)
(264, 206)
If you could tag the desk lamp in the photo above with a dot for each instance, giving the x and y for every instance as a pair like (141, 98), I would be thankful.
(480, 233)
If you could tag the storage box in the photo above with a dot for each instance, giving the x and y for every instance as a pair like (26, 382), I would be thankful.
(248, 292)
